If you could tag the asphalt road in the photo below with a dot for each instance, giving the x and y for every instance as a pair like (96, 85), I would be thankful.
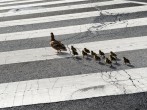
(120, 102)
(70, 66)
(48, 68)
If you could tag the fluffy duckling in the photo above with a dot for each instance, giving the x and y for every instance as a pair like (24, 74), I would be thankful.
(107, 61)
(113, 54)
(102, 53)
(126, 61)
(57, 45)
(73, 48)
(84, 53)
(112, 58)
(97, 58)
(86, 50)
(74, 51)
(92, 53)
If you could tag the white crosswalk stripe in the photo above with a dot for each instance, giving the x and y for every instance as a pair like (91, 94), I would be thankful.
(15, 2)
(62, 8)
(39, 4)
(73, 16)
(73, 29)
(6, 1)
(48, 53)
(42, 89)
(48, 92)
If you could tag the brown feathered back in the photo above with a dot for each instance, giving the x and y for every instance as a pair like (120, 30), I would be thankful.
(57, 45)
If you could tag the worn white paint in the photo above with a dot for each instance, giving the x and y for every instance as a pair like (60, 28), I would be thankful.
(45, 32)
(75, 87)
(62, 8)
(72, 16)
(38, 4)
(17, 1)
(37, 54)
(144, 3)
(73, 29)
(7, 0)
(49, 19)
(120, 24)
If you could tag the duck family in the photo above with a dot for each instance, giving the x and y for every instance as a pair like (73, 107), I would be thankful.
(59, 46)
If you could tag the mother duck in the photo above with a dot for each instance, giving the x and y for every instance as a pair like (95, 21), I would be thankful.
(57, 45)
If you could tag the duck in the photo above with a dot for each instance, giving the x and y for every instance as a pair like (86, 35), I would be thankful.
(92, 53)
(57, 45)
(126, 61)
(112, 58)
(84, 53)
(73, 48)
(102, 53)
(113, 54)
(74, 51)
(97, 58)
(86, 50)
(107, 61)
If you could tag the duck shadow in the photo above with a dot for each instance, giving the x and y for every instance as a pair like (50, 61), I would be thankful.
(62, 53)
(77, 58)
(88, 58)
(113, 67)
(101, 63)
(117, 64)
(130, 65)
(118, 59)
(74, 58)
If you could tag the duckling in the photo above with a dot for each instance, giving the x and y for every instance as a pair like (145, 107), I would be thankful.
(93, 53)
(57, 45)
(107, 61)
(74, 51)
(102, 53)
(126, 61)
(112, 58)
(73, 48)
(84, 53)
(86, 50)
(97, 58)
(113, 54)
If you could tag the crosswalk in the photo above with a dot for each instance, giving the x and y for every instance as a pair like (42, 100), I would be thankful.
(33, 73)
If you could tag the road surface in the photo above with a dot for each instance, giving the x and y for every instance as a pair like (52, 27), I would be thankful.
(33, 76)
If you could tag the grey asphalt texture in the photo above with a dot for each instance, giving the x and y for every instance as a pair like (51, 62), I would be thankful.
(139, 0)
(120, 102)
(68, 66)
(72, 66)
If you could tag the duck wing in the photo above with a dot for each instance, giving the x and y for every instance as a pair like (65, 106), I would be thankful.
(58, 45)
